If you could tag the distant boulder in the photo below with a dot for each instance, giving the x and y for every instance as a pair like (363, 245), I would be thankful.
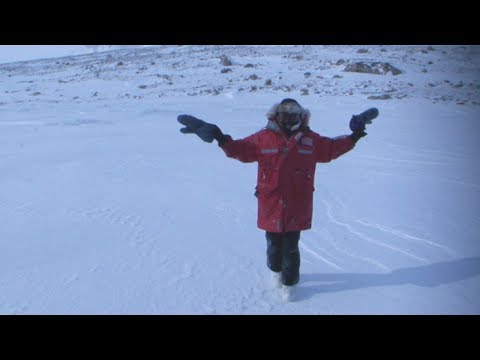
(225, 60)
(380, 97)
(378, 68)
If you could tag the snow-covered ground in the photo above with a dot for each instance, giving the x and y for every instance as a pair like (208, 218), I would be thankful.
(106, 208)
(14, 53)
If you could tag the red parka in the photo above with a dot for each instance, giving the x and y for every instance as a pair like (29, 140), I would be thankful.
(286, 172)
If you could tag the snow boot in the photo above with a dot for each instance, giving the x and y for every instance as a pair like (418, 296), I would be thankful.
(288, 293)
(276, 279)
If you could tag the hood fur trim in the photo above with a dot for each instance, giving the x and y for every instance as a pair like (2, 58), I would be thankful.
(273, 111)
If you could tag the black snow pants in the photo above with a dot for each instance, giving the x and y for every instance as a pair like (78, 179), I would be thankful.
(283, 255)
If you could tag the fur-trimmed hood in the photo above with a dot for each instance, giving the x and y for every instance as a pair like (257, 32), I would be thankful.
(271, 116)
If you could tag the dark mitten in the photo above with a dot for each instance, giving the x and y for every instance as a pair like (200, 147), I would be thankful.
(357, 135)
(358, 122)
(207, 132)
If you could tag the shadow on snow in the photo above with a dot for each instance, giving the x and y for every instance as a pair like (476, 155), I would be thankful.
(426, 275)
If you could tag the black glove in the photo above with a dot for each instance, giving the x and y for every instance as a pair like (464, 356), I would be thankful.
(207, 132)
(357, 135)
(358, 122)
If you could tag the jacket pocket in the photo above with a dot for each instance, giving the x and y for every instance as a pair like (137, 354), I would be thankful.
(303, 180)
(267, 180)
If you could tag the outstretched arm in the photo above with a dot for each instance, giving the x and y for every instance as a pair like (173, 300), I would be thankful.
(329, 149)
(243, 150)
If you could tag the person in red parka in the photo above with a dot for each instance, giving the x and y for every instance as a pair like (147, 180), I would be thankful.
(287, 152)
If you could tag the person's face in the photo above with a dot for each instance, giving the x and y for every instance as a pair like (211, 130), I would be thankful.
(289, 121)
